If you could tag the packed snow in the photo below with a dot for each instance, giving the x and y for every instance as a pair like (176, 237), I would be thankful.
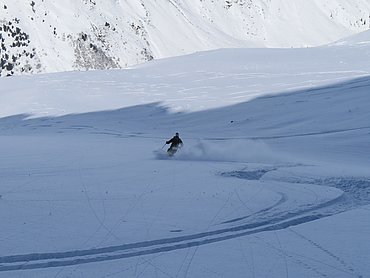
(272, 181)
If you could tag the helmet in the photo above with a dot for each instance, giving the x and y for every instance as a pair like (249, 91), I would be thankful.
(177, 134)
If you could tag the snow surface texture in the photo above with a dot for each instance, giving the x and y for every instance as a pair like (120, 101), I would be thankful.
(52, 36)
(275, 185)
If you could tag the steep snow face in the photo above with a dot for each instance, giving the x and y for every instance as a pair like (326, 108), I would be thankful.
(50, 36)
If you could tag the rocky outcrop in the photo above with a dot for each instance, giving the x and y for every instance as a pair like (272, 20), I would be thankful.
(39, 36)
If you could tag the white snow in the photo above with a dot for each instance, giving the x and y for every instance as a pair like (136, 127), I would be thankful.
(273, 179)
(101, 34)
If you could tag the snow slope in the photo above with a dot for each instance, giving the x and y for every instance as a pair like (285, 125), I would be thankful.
(48, 36)
(272, 181)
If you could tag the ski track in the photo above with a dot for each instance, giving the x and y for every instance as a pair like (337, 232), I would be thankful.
(276, 221)
(282, 200)
(288, 136)
(269, 219)
(344, 264)
(47, 260)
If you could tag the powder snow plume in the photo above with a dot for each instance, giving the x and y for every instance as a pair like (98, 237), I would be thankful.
(231, 151)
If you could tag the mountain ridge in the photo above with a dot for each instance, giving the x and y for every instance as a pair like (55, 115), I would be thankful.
(41, 37)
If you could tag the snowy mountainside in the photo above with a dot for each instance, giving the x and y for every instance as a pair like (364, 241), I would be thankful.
(222, 77)
(275, 158)
(50, 36)
(256, 191)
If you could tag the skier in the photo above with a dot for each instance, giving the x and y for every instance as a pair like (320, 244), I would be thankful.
(176, 143)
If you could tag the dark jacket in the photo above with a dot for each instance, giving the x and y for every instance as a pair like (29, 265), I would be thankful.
(175, 141)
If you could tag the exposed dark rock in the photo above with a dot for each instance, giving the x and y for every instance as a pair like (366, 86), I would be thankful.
(90, 56)
(33, 6)
(15, 50)
(9, 66)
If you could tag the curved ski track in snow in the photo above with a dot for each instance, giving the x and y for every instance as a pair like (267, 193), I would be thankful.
(270, 219)
(75, 257)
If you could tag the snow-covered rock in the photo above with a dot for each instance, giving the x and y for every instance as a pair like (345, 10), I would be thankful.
(40, 36)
